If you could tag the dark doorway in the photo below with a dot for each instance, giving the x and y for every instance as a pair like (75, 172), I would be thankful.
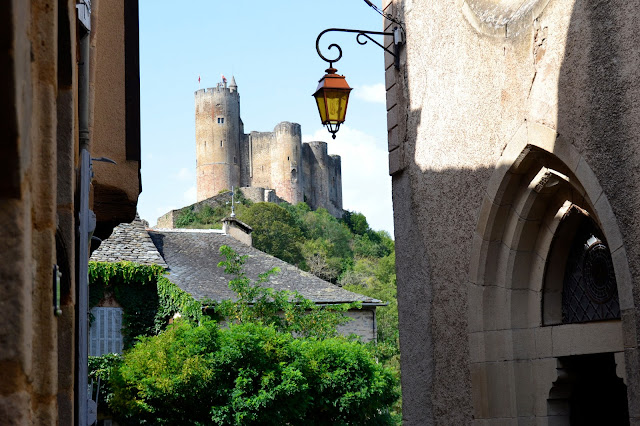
(596, 395)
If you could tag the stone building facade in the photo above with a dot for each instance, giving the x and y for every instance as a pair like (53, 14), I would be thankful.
(278, 160)
(191, 258)
(513, 149)
(69, 93)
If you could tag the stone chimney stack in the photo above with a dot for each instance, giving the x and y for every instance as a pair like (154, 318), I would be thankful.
(237, 229)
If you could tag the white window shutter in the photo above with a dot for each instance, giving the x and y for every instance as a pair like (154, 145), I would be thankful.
(105, 335)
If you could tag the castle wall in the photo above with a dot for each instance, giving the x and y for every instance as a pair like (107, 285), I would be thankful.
(260, 144)
(245, 159)
(259, 195)
(335, 185)
(323, 178)
(316, 189)
(217, 140)
(286, 161)
(226, 156)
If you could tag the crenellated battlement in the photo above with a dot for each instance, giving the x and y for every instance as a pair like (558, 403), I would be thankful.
(216, 90)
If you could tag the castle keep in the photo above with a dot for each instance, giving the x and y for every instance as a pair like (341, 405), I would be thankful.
(277, 161)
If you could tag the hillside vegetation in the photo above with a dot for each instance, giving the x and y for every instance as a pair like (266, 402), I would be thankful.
(344, 251)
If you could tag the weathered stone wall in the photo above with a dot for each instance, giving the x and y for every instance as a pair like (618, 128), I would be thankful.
(258, 195)
(39, 161)
(260, 147)
(323, 174)
(478, 82)
(245, 160)
(286, 155)
(115, 128)
(317, 188)
(168, 220)
(335, 185)
(218, 137)
(363, 324)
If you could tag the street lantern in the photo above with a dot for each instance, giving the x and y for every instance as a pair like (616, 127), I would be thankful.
(332, 94)
(332, 97)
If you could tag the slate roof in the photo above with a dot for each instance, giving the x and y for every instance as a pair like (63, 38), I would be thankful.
(193, 256)
(130, 242)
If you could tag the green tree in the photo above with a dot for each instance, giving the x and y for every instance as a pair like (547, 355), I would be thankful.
(249, 374)
(356, 222)
(287, 311)
(274, 231)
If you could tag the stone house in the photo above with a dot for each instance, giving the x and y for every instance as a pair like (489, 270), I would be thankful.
(191, 258)
(70, 93)
(513, 150)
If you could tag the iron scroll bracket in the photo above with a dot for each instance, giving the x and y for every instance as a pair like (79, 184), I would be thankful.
(362, 37)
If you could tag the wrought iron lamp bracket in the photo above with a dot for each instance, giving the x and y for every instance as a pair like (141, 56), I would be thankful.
(362, 37)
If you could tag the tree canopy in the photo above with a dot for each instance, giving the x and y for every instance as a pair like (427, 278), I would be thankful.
(277, 361)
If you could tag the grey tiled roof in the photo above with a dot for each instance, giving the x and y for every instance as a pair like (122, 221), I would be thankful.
(129, 241)
(193, 256)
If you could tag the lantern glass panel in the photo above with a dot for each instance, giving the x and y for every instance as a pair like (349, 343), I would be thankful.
(322, 106)
(336, 105)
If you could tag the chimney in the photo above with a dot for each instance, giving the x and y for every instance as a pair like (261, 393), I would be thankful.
(237, 229)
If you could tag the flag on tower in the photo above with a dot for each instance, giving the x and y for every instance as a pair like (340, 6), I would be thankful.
(224, 79)
(198, 79)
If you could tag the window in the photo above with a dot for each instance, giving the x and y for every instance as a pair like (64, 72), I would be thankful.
(220, 144)
(220, 120)
(235, 160)
(105, 335)
(590, 291)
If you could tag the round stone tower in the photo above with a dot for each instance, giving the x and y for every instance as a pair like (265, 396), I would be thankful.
(217, 139)
(286, 162)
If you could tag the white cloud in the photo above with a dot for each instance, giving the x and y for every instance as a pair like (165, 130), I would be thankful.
(184, 174)
(371, 93)
(190, 195)
(366, 184)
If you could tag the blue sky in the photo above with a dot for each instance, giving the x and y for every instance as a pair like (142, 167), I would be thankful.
(270, 49)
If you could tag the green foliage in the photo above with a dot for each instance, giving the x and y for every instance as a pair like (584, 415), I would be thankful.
(173, 299)
(249, 374)
(377, 278)
(356, 222)
(147, 297)
(287, 311)
(210, 216)
(274, 231)
(100, 369)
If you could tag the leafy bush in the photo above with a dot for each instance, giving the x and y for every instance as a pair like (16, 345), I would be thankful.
(249, 374)
(287, 311)
(100, 369)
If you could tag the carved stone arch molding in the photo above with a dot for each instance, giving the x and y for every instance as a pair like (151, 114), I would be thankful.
(514, 354)
(502, 18)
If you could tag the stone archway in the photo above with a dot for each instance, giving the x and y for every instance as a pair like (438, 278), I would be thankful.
(513, 350)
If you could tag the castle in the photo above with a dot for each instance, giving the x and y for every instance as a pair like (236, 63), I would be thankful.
(277, 161)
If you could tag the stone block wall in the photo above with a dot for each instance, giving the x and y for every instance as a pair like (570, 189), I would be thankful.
(39, 162)
(363, 324)
(218, 137)
(488, 94)
(260, 145)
